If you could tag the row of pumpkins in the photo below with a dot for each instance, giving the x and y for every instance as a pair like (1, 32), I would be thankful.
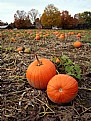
(61, 88)
(27, 50)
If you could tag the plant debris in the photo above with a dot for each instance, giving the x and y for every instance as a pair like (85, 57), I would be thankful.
(20, 101)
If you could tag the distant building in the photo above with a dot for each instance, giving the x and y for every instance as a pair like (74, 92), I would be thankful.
(3, 27)
(38, 24)
(8, 26)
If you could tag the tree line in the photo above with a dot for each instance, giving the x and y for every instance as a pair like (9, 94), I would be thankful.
(51, 17)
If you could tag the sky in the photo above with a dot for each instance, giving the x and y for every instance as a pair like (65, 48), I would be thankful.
(9, 7)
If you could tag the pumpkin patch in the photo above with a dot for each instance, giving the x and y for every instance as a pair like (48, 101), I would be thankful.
(54, 86)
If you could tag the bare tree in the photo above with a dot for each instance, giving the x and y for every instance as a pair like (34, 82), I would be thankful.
(33, 13)
(20, 15)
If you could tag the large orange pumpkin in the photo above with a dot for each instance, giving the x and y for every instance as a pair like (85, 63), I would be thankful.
(62, 88)
(40, 72)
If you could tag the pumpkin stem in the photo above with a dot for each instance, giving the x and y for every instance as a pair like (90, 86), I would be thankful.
(39, 62)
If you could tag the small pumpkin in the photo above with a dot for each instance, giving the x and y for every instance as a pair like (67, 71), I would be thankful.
(62, 36)
(13, 39)
(77, 44)
(62, 88)
(57, 60)
(37, 37)
(78, 35)
(40, 72)
(20, 49)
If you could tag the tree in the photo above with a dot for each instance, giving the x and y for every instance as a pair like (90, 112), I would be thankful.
(86, 17)
(21, 20)
(51, 16)
(84, 20)
(66, 20)
(33, 13)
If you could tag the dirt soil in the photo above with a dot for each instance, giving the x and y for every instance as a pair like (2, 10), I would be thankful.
(21, 102)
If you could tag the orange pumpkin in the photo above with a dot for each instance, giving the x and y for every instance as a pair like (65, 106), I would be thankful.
(78, 35)
(77, 44)
(20, 49)
(62, 36)
(37, 37)
(72, 33)
(40, 72)
(13, 39)
(62, 88)
(57, 60)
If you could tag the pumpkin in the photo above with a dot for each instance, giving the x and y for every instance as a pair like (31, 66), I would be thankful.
(37, 37)
(13, 39)
(78, 35)
(20, 49)
(62, 88)
(57, 60)
(72, 33)
(77, 44)
(39, 72)
(62, 36)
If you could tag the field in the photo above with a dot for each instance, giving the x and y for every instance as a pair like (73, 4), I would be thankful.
(20, 101)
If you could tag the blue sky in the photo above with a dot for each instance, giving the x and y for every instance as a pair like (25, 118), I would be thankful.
(9, 7)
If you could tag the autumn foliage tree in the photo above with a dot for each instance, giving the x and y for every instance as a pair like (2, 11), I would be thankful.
(67, 21)
(21, 20)
(50, 17)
